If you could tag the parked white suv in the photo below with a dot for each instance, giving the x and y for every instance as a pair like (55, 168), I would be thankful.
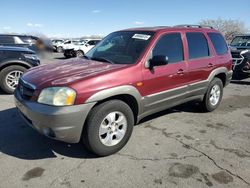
(66, 45)
(80, 48)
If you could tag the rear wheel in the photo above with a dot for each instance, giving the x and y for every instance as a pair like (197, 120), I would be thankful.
(213, 96)
(9, 77)
(108, 127)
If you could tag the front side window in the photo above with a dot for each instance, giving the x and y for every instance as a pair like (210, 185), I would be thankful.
(219, 43)
(170, 45)
(197, 45)
(122, 47)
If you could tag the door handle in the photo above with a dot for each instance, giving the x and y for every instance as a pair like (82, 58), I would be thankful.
(210, 65)
(180, 72)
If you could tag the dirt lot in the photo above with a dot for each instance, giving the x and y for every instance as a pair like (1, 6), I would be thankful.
(180, 147)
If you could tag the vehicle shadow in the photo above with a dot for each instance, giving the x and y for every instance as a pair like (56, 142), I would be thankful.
(61, 58)
(241, 79)
(19, 140)
(240, 82)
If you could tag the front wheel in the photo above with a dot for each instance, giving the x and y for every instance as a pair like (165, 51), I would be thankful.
(108, 127)
(79, 53)
(59, 49)
(213, 96)
(9, 78)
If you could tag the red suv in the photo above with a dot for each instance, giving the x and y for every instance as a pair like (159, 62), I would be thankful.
(129, 75)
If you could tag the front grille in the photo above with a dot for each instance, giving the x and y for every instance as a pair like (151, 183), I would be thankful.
(237, 59)
(236, 55)
(25, 89)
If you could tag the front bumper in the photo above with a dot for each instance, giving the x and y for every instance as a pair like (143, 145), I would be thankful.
(60, 123)
(69, 53)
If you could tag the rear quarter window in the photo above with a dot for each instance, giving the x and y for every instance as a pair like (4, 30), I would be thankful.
(219, 43)
(197, 45)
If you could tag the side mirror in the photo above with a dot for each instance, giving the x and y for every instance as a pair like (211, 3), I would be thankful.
(158, 60)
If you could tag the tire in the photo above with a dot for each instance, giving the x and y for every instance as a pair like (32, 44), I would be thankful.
(3, 77)
(98, 115)
(210, 103)
(79, 53)
(67, 55)
(59, 49)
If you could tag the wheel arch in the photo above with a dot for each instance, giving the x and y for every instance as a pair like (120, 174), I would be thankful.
(128, 94)
(220, 73)
(14, 62)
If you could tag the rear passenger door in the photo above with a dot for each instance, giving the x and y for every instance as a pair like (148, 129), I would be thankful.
(164, 85)
(200, 62)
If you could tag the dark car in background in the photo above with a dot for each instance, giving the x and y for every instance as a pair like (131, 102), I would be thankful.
(14, 61)
(27, 41)
(240, 49)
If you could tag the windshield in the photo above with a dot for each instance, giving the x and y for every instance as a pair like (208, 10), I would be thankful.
(241, 41)
(123, 47)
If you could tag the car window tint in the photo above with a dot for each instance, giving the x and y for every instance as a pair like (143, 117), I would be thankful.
(6, 40)
(197, 45)
(219, 43)
(170, 45)
(91, 42)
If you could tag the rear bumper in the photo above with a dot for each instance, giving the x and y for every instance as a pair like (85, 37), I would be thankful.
(229, 77)
(60, 123)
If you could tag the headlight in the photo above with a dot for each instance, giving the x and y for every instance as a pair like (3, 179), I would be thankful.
(57, 96)
(31, 56)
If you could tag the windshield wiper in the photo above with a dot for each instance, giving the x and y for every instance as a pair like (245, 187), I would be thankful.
(103, 59)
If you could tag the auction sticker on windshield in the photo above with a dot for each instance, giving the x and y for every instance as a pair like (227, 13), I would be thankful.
(141, 36)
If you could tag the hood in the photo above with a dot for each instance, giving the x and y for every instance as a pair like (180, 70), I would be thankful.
(66, 72)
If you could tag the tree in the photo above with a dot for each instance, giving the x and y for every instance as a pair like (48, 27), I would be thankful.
(227, 27)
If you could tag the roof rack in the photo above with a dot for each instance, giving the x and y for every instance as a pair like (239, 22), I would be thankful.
(194, 26)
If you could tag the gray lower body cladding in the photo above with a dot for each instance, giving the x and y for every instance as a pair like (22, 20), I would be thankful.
(60, 123)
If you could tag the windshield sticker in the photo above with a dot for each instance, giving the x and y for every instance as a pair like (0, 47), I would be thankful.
(141, 36)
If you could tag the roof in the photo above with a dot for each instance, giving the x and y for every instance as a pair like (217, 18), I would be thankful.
(242, 35)
(171, 28)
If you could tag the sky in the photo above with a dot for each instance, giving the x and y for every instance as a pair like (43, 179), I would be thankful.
(78, 18)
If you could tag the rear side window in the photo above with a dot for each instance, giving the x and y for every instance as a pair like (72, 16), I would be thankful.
(197, 45)
(6, 40)
(170, 45)
(219, 43)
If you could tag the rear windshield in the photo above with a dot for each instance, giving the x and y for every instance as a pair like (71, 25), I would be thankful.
(241, 41)
(219, 43)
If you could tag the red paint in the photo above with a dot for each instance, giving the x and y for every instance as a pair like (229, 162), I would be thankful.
(88, 77)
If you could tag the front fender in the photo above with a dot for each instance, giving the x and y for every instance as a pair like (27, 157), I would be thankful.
(119, 90)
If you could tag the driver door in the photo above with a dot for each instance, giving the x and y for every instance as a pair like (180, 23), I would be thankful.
(166, 85)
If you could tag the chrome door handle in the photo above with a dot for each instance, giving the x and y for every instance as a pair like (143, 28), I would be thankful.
(210, 65)
(180, 72)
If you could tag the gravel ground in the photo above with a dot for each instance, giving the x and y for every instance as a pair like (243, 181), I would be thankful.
(179, 147)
